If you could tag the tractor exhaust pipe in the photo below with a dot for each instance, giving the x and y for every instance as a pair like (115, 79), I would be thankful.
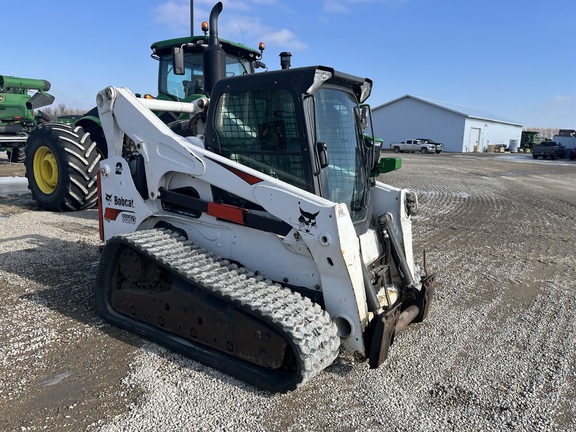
(191, 18)
(214, 55)
(214, 14)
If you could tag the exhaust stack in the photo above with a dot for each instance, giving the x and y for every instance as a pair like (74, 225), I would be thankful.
(285, 61)
(191, 18)
(214, 55)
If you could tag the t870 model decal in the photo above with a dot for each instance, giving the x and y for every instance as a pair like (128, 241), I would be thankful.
(111, 214)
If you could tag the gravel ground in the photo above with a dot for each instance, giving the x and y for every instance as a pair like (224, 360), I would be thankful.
(497, 352)
(8, 169)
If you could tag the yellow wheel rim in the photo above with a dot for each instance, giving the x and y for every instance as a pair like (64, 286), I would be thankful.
(45, 170)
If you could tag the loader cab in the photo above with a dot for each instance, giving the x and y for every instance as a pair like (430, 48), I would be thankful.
(303, 126)
(189, 85)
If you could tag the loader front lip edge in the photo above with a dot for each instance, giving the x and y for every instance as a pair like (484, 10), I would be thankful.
(386, 326)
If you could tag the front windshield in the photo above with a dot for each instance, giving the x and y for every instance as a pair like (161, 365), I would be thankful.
(192, 82)
(346, 173)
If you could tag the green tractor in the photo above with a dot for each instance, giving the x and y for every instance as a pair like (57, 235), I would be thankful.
(17, 107)
(62, 159)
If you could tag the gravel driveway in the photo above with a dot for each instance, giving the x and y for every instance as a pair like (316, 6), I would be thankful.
(497, 352)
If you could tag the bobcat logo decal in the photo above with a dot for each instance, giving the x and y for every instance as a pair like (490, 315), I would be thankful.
(307, 220)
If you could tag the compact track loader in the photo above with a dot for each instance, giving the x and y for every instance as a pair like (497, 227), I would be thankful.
(250, 234)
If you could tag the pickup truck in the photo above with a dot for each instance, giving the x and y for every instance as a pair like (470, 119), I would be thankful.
(439, 146)
(415, 145)
(548, 149)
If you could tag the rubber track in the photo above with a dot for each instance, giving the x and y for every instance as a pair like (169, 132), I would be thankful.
(308, 327)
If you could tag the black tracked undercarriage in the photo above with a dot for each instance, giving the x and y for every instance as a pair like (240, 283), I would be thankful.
(161, 286)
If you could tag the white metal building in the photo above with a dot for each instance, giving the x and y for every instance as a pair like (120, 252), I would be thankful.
(566, 137)
(460, 129)
(568, 142)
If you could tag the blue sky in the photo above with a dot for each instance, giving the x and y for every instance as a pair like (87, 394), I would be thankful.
(511, 58)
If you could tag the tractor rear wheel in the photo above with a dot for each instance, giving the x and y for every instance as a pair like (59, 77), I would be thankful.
(61, 167)
(17, 155)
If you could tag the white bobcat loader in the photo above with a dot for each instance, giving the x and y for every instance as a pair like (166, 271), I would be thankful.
(256, 239)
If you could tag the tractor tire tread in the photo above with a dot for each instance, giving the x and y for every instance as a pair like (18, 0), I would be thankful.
(77, 160)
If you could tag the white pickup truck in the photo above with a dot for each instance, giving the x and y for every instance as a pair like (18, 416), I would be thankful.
(422, 145)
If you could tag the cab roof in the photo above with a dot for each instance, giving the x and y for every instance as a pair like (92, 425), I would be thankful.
(229, 47)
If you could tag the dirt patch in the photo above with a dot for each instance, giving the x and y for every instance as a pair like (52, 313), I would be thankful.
(8, 169)
(13, 204)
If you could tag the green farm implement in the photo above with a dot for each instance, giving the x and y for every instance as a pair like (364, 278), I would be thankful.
(17, 117)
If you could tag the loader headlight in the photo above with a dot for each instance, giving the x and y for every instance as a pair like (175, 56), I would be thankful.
(320, 77)
(365, 90)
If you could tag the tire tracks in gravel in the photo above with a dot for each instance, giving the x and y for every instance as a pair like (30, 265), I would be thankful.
(505, 298)
(497, 352)
(58, 362)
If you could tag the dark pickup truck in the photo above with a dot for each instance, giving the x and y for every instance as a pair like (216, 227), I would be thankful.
(548, 149)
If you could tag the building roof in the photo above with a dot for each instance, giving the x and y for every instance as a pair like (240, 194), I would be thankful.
(457, 109)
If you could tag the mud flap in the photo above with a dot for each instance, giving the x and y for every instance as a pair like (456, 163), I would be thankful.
(383, 330)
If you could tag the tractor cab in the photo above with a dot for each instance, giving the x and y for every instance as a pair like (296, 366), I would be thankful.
(186, 81)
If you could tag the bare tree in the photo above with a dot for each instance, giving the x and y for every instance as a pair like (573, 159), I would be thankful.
(61, 109)
(543, 132)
